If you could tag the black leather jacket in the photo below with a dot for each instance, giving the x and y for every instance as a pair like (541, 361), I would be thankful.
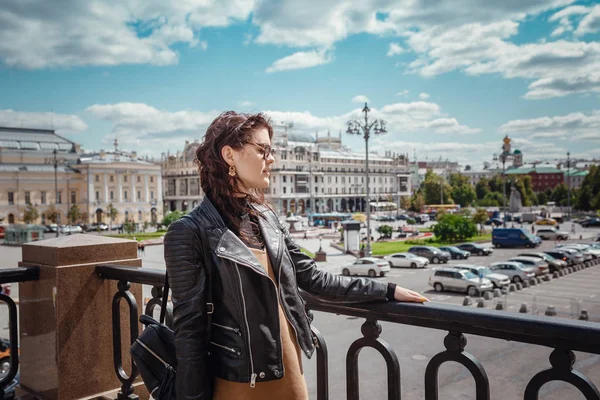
(245, 341)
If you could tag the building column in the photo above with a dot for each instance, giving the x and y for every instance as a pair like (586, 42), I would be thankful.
(119, 188)
(146, 198)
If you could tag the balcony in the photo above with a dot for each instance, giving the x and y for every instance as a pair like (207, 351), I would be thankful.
(76, 325)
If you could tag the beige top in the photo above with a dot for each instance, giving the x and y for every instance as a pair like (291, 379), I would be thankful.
(293, 385)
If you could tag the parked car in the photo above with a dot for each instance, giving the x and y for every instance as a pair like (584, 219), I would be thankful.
(65, 229)
(370, 266)
(458, 280)
(406, 260)
(516, 271)
(546, 221)
(456, 253)
(433, 254)
(497, 279)
(1, 232)
(101, 226)
(560, 255)
(514, 237)
(539, 266)
(584, 248)
(572, 256)
(552, 234)
(402, 217)
(573, 250)
(494, 221)
(590, 222)
(387, 218)
(555, 264)
(75, 229)
(476, 249)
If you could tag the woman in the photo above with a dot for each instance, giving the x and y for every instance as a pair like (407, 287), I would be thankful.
(259, 324)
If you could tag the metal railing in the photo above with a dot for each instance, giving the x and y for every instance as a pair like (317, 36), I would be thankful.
(562, 335)
(14, 275)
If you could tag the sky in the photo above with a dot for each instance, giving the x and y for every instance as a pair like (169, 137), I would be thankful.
(449, 81)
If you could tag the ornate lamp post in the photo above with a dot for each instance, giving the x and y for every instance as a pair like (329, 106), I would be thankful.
(569, 183)
(504, 155)
(56, 162)
(356, 127)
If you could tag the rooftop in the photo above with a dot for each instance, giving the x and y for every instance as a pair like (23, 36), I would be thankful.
(539, 169)
(110, 158)
(33, 139)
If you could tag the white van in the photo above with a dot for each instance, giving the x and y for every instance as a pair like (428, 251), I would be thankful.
(424, 217)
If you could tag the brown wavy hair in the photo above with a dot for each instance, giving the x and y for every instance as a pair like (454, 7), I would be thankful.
(235, 130)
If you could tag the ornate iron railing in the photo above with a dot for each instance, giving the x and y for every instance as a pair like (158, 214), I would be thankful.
(14, 275)
(564, 336)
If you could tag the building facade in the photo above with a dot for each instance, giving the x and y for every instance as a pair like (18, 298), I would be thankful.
(542, 177)
(309, 175)
(88, 181)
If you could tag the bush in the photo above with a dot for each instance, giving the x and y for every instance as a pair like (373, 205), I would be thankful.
(172, 217)
(411, 221)
(385, 231)
(454, 228)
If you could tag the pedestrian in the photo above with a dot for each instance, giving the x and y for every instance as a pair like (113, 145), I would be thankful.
(532, 228)
(305, 236)
(143, 248)
(262, 359)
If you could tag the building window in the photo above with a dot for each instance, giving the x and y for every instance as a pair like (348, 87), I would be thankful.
(151, 179)
(124, 178)
(27, 197)
(126, 216)
(59, 198)
(11, 198)
(139, 179)
(112, 195)
(284, 178)
(125, 195)
(151, 195)
(112, 178)
(139, 197)
(43, 196)
(97, 177)
(74, 197)
(139, 216)
(97, 196)
(284, 190)
(183, 187)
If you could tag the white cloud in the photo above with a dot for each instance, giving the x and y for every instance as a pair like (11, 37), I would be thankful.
(402, 93)
(246, 104)
(141, 126)
(564, 18)
(62, 123)
(301, 60)
(423, 96)
(573, 126)
(360, 99)
(43, 35)
(395, 49)
(590, 23)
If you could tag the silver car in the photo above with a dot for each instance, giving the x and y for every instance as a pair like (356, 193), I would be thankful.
(458, 280)
(409, 260)
(498, 280)
(516, 271)
(539, 266)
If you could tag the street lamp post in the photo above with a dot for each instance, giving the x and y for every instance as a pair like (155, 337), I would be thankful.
(569, 184)
(55, 162)
(357, 127)
(504, 155)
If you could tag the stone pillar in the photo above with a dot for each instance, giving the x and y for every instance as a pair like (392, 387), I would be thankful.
(65, 319)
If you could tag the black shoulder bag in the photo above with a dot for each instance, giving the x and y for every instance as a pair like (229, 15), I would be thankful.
(153, 352)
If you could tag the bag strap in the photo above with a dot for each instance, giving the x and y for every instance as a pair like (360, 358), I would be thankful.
(210, 307)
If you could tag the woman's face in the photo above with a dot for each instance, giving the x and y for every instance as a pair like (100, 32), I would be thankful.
(252, 165)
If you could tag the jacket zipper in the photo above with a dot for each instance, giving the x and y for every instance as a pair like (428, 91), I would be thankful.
(230, 349)
(252, 373)
(228, 328)
(243, 262)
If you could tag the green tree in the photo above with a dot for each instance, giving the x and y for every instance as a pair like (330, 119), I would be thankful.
(30, 214)
(464, 195)
(52, 213)
(433, 185)
(560, 194)
(529, 191)
(417, 202)
(74, 214)
(482, 188)
(453, 227)
(111, 212)
(480, 217)
(385, 231)
(172, 217)
(584, 199)
(542, 198)
(492, 199)
(405, 202)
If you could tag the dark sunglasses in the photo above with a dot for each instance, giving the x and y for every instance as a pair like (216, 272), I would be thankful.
(265, 149)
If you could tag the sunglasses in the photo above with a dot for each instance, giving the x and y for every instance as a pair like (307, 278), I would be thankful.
(265, 149)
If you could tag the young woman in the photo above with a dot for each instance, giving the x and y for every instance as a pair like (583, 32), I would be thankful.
(259, 324)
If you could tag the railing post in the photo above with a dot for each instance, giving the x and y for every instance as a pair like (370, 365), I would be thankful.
(66, 333)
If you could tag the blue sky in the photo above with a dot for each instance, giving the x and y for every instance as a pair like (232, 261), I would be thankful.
(450, 81)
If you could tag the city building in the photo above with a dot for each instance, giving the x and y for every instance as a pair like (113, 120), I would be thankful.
(542, 176)
(88, 181)
(307, 171)
(574, 177)
(443, 168)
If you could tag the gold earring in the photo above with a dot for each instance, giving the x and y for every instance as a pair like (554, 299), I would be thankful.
(231, 170)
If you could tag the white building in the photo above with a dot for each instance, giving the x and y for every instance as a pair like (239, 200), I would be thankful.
(306, 171)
